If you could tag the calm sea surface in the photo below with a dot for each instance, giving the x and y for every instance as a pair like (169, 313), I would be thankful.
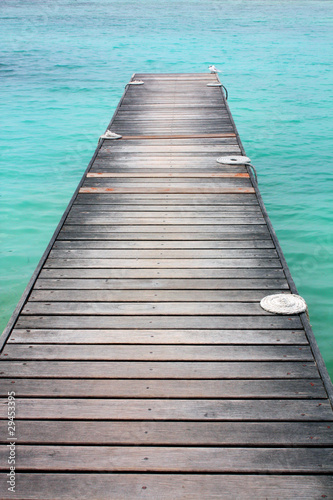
(63, 67)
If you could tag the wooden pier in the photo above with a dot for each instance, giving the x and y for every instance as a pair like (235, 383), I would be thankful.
(142, 363)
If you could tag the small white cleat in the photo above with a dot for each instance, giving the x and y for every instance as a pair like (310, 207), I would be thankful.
(110, 135)
(212, 69)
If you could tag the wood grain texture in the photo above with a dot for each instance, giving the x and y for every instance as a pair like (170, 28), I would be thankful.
(148, 433)
(163, 245)
(198, 389)
(163, 254)
(172, 409)
(164, 210)
(173, 459)
(222, 287)
(82, 232)
(188, 232)
(170, 199)
(212, 276)
(151, 337)
(153, 322)
(139, 295)
(161, 263)
(160, 370)
(185, 189)
(129, 486)
(159, 353)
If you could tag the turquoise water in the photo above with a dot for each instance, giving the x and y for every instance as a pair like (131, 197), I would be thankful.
(63, 67)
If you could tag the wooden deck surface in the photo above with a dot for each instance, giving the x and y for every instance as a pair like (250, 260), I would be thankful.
(142, 362)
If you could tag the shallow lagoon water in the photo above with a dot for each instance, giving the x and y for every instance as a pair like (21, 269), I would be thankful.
(63, 67)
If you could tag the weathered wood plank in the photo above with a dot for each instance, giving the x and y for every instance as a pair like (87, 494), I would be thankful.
(170, 199)
(119, 219)
(238, 180)
(167, 167)
(145, 433)
(177, 159)
(163, 254)
(172, 409)
(135, 336)
(210, 217)
(158, 353)
(150, 126)
(173, 459)
(139, 295)
(192, 322)
(175, 127)
(99, 232)
(135, 175)
(184, 128)
(162, 369)
(178, 137)
(170, 189)
(166, 158)
(171, 163)
(165, 211)
(222, 287)
(113, 219)
(190, 232)
(163, 245)
(137, 263)
(199, 389)
(174, 274)
(194, 486)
